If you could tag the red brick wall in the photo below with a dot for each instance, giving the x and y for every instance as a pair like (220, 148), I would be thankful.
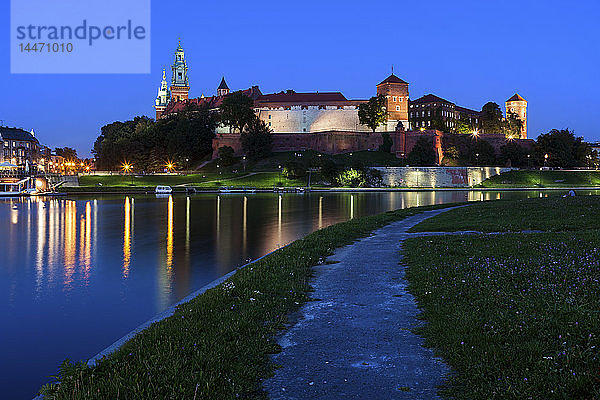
(337, 142)
(334, 142)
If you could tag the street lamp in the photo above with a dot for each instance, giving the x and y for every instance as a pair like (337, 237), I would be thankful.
(170, 166)
(244, 162)
(127, 167)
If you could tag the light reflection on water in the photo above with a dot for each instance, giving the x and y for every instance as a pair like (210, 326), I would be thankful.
(76, 274)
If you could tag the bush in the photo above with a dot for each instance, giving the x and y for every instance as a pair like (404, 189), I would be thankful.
(352, 178)
(423, 153)
(386, 146)
(294, 170)
(226, 155)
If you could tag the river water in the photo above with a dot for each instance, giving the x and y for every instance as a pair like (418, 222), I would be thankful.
(77, 273)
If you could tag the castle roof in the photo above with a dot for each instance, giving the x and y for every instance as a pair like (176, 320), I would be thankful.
(291, 96)
(430, 98)
(392, 79)
(516, 97)
(464, 110)
(223, 85)
(7, 133)
(212, 102)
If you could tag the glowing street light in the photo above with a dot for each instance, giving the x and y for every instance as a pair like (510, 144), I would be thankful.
(126, 167)
(170, 166)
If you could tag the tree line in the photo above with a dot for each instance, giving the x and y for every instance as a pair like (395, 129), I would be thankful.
(183, 139)
(556, 149)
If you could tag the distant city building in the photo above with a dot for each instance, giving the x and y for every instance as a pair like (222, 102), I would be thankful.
(18, 146)
(518, 106)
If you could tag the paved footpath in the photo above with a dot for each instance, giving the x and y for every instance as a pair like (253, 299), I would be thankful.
(355, 340)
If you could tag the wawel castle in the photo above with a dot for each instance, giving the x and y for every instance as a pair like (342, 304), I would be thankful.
(327, 121)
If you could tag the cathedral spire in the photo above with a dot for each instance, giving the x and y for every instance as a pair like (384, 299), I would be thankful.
(179, 81)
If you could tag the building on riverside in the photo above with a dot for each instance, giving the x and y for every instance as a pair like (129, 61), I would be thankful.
(323, 121)
(18, 146)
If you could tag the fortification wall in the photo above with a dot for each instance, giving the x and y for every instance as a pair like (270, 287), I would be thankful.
(441, 177)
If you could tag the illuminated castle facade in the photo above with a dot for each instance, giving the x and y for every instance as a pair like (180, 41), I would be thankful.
(323, 121)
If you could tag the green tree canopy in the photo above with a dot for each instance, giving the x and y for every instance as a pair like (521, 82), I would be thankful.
(491, 118)
(237, 111)
(183, 138)
(482, 153)
(563, 149)
(513, 126)
(423, 153)
(256, 139)
(514, 154)
(67, 152)
(373, 112)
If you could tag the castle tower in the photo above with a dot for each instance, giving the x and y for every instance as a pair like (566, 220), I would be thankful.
(395, 91)
(223, 89)
(179, 81)
(162, 100)
(518, 105)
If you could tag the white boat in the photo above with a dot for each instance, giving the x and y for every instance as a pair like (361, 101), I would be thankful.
(163, 190)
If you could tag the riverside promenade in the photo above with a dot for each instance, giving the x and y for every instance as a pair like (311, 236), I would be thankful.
(355, 339)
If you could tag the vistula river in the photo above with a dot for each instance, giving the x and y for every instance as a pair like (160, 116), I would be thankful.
(77, 273)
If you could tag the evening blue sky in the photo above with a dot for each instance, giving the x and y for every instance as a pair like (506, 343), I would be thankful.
(469, 52)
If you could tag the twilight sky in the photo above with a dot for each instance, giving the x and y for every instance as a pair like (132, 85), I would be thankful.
(469, 52)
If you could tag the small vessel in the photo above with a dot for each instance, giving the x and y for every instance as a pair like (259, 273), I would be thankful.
(163, 190)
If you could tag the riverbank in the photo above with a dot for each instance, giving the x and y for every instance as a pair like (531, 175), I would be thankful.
(265, 181)
(514, 309)
(218, 344)
(543, 179)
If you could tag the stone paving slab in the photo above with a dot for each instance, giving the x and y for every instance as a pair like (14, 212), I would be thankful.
(355, 341)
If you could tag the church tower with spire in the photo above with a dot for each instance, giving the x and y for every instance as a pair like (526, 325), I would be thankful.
(179, 81)
(223, 89)
(163, 97)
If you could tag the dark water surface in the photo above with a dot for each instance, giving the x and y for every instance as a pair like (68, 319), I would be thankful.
(78, 273)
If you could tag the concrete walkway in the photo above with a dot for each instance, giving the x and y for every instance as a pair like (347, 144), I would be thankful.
(355, 341)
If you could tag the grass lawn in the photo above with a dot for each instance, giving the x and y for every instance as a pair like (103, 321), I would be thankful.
(150, 180)
(217, 346)
(546, 214)
(515, 315)
(536, 178)
(263, 180)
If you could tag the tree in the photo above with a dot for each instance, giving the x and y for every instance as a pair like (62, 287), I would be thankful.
(67, 152)
(293, 169)
(513, 126)
(513, 154)
(482, 153)
(423, 153)
(373, 112)
(491, 118)
(387, 144)
(226, 156)
(464, 126)
(237, 111)
(183, 138)
(563, 149)
(256, 139)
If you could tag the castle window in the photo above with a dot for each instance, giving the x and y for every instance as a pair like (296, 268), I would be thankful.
(269, 123)
(269, 116)
(400, 99)
(397, 108)
(303, 129)
(395, 98)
